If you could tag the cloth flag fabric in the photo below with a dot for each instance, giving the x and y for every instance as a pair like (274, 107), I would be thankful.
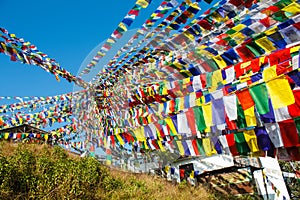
(277, 87)
(259, 94)
(251, 140)
(207, 113)
(218, 112)
(250, 117)
(274, 133)
(230, 103)
(183, 126)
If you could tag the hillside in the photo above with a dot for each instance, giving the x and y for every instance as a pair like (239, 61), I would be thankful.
(33, 171)
(42, 172)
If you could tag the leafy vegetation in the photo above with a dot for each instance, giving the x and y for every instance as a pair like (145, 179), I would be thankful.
(292, 184)
(29, 171)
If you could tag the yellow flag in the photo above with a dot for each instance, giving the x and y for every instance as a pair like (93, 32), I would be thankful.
(165, 90)
(265, 44)
(171, 125)
(271, 31)
(145, 143)
(149, 118)
(250, 116)
(293, 8)
(269, 73)
(189, 2)
(178, 65)
(239, 27)
(192, 174)
(12, 35)
(167, 168)
(186, 81)
(101, 54)
(109, 40)
(207, 113)
(138, 132)
(123, 26)
(217, 17)
(198, 102)
(238, 37)
(160, 108)
(208, 148)
(161, 147)
(220, 62)
(251, 140)
(189, 35)
(181, 103)
(295, 49)
(186, 72)
(194, 21)
(180, 147)
(142, 3)
(280, 92)
(195, 6)
(216, 78)
(119, 138)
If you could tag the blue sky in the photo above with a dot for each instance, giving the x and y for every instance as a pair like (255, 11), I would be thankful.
(65, 30)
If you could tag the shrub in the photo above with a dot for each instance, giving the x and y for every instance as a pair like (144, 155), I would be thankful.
(31, 171)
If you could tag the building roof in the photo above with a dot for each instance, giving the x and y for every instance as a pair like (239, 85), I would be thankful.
(24, 128)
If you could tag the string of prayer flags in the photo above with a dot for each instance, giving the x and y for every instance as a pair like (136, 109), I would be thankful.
(221, 81)
(28, 53)
(159, 13)
(133, 51)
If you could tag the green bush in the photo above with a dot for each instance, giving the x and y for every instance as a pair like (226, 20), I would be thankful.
(51, 174)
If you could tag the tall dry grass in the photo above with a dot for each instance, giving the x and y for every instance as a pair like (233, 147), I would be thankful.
(144, 186)
(33, 171)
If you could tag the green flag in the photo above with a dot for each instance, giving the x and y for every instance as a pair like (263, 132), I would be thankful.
(241, 143)
(201, 126)
(241, 121)
(259, 94)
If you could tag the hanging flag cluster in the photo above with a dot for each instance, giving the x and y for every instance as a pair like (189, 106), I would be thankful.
(33, 104)
(46, 114)
(192, 82)
(221, 81)
(183, 11)
(43, 112)
(158, 14)
(20, 50)
(36, 137)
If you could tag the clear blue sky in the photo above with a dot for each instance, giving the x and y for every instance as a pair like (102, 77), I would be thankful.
(66, 30)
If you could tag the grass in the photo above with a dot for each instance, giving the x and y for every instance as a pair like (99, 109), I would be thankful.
(151, 187)
(33, 171)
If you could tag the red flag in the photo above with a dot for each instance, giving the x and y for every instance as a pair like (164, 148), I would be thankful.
(297, 173)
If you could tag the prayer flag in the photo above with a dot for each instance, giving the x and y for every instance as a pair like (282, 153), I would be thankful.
(280, 92)
(259, 94)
